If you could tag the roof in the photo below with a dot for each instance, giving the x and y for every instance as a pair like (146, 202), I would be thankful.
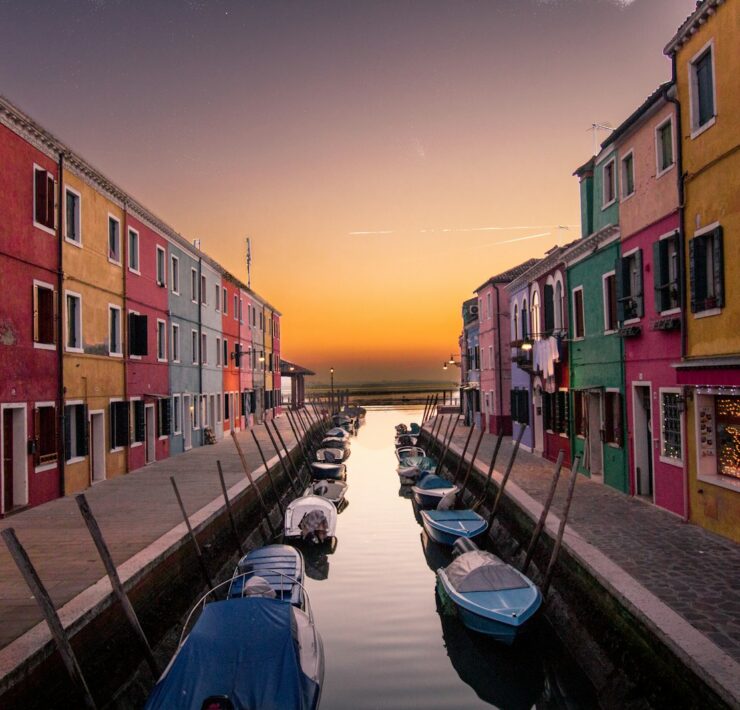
(588, 166)
(704, 8)
(552, 258)
(506, 276)
(638, 113)
(290, 369)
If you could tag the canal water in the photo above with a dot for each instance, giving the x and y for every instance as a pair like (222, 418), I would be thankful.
(388, 643)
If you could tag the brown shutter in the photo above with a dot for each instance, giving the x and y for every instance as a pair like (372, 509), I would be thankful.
(49, 200)
(39, 180)
(36, 438)
(35, 313)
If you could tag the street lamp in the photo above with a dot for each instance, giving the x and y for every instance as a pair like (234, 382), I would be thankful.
(331, 371)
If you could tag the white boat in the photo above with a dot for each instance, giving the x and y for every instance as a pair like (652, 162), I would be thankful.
(338, 432)
(310, 518)
(321, 470)
(331, 489)
(334, 442)
(405, 452)
(332, 455)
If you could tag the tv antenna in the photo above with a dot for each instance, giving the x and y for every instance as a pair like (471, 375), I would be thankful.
(249, 263)
(595, 128)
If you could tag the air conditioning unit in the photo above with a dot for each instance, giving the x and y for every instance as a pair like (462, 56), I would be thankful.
(473, 310)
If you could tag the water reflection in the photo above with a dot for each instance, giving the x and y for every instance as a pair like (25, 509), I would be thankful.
(316, 558)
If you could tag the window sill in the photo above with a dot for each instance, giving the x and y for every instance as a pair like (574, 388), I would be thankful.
(700, 129)
(631, 321)
(135, 357)
(44, 228)
(74, 243)
(727, 482)
(75, 350)
(45, 346)
(627, 197)
(115, 354)
(610, 332)
(135, 444)
(671, 462)
(116, 450)
(163, 438)
(708, 313)
(671, 312)
(606, 205)
(612, 445)
(74, 460)
(46, 467)
(660, 173)
(134, 271)
(175, 293)
(115, 262)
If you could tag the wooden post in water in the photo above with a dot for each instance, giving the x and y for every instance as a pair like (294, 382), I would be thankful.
(193, 539)
(496, 448)
(58, 632)
(449, 441)
(545, 511)
(561, 530)
(436, 426)
(462, 455)
(228, 508)
(115, 581)
(283, 465)
(507, 473)
(252, 483)
(424, 413)
(299, 438)
(275, 491)
(470, 466)
(287, 455)
(441, 442)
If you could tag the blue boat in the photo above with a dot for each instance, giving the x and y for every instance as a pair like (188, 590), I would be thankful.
(430, 489)
(490, 596)
(245, 653)
(447, 526)
(281, 566)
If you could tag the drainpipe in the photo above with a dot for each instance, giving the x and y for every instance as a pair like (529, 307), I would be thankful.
(681, 187)
(124, 324)
(61, 453)
(199, 291)
(498, 356)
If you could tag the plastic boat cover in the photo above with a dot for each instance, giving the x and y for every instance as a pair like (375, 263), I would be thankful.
(443, 515)
(480, 571)
(259, 587)
(243, 649)
(314, 523)
(429, 482)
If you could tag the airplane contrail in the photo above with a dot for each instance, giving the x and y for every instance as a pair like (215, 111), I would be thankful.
(466, 229)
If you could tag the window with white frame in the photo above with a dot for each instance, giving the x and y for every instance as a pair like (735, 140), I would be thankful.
(613, 418)
(194, 346)
(193, 285)
(630, 296)
(666, 273)
(161, 267)
(535, 323)
(175, 274)
(176, 414)
(515, 323)
(44, 199)
(664, 145)
(204, 348)
(217, 294)
(218, 351)
(115, 347)
(72, 216)
(706, 269)
(44, 433)
(226, 353)
(628, 175)
(579, 315)
(236, 307)
(489, 307)
(609, 284)
(114, 239)
(133, 251)
(702, 89)
(241, 319)
(609, 184)
(161, 340)
(73, 314)
(203, 290)
(75, 428)
(218, 407)
(671, 445)
(225, 301)
(175, 342)
(44, 315)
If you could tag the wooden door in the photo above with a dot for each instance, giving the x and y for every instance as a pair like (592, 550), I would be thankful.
(8, 467)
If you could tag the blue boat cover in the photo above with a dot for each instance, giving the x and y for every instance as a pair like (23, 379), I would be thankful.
(441, 515)
(243, 649)
(433, 482)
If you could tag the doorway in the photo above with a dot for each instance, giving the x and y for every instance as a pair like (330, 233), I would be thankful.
(538, 443)
(14, 461)
(150, 434)
(97, 445)
(187, 422)
(643, 439)
(595, 449)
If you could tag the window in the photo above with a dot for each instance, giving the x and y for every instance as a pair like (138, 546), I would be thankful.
(525, 330)
(45, 434)
(75, 431)
(115, 346)
(176, 414)
(608, 188)
(670, 426)
(516, 322)
(535, 324)
(701, 85)
(226, 353)
(139, 429)
(175, 342)
(549, 308)
(44, 200)
(613, 418)
(490, 357)
(203, 290)
(664, 146)
(133, 251)
(74, 321)
(520, 405)
(580, 412)
(555, 411)
(217, 302)
(194, 346)
(610, 302)
(161, 268)
(579, 326)
(193, 285)
(72, 221)
(227, 413)
(138, 340)
(630, 303)
(44, 315)
(666, 273)
(204, 348)
(114, 240)
(164, 416)
(262, 321)
(559, 322)
(161, 341)
(119, 424)
(706, 270)
(236, 307)
(728, 436)
(225, 301)
(175, 274)
(628, 175)
(218, 352)
(241, 314)
(489, 307)
(195, 412)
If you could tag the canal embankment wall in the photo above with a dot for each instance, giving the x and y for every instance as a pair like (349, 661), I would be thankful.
(163, 581)
(637, 651)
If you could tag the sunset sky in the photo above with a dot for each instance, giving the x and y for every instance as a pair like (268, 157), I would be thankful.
(384, 157)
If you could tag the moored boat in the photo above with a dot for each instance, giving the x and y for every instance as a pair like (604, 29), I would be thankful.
(447, 526)
(310, 518)
(327, 470)
(404, 452)
(332, 490)
(430, 489)
(282, 566)
(331, 454)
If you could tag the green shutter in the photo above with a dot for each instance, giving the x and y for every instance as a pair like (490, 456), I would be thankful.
(719, 280)
(639, 296)
(692, 274)
(658, 277)
(620, 288)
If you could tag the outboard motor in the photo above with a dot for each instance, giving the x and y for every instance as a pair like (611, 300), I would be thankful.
(463, 545)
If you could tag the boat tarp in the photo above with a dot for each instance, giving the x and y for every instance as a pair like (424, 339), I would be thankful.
(243, 649)
(429, 482)
(480, 571)
(442, 515)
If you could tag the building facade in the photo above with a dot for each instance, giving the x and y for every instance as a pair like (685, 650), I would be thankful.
(521, 364)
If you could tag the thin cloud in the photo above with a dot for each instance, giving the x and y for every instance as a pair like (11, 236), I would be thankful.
(466, 229)
(619, 3)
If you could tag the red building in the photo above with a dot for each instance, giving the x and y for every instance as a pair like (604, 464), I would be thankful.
(231, 359)
(30, 351)
(151, 343)
(246, 379)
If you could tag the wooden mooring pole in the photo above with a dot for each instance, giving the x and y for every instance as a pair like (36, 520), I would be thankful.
(287, 455)
(193, 539)
(545, 511)
(561, 530)
(115, 581)
(424, 413)
(275, 491)
(462, 455)
(496, 448)
(449, 441)
(440, 444)
(288, 475)
(507, 473)
(228, 508)
(298, 438)
(58, 632)
(470, 465)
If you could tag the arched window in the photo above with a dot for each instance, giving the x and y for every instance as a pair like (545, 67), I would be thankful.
(516, 322)
(525, 330)
(536, 315)
(558, 305)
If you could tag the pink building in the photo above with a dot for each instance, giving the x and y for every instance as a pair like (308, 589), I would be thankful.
(646, 299)
(246, 358)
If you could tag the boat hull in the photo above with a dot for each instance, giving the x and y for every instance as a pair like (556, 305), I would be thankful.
(429, 498)
(449, 531)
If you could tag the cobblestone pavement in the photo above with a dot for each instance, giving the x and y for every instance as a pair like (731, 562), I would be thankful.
(695, 572)
(132, 510)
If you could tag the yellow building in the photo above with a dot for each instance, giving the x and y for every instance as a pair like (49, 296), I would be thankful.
(706, 63)
(92, 259)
